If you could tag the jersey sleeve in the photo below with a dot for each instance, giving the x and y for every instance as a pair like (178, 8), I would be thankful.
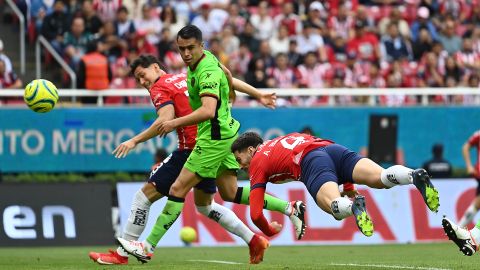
(474, 139)
(161, 96)
(209, 81)
(258, 184)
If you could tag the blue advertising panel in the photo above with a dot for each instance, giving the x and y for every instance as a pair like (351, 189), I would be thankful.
(82, 139)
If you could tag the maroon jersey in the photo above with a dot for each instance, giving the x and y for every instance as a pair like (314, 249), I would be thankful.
(172, 89)
(277, 161)
(474, 141)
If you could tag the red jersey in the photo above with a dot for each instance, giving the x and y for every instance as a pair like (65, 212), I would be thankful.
(172, 89)
(277, 161)
(474, 141)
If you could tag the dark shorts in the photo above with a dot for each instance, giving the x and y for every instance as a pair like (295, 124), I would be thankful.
(330, 163)
(167, 172)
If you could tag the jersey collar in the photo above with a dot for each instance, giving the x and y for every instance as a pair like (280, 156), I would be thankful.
(198, 62)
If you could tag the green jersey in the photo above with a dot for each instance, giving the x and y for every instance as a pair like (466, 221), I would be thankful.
(208, 79)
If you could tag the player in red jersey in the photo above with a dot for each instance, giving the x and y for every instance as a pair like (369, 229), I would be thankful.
(474, 171)
(322, 166)
(168, 94)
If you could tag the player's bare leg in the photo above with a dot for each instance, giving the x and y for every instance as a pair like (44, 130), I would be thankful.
(295, 210)
(256, 243)
(135, 225)
(329, 200)
(470, 213)
(367, 172)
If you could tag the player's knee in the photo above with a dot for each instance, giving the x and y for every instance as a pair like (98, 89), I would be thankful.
(177, 191)
(204, 210)
(227, 195)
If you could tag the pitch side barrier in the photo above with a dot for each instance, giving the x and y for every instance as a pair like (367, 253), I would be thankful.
(371, 93)
(399, 216)
(55, 215)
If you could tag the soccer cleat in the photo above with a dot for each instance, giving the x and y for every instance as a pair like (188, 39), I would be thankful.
(298, 218)
(421, 180)
(110, 258)
(257, 247)
(364, 223)
(136, 249)
(461, 237)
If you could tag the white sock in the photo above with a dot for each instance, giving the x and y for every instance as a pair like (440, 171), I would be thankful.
(396, 175)
(148, 246)
(289, 209)
(227, 219)
(341, 208)
(468, 216)
(138, 217)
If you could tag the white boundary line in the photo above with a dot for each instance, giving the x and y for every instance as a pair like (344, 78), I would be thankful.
(215, 261)
(388, 266)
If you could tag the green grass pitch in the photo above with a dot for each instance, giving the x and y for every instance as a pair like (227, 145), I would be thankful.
(413, 256)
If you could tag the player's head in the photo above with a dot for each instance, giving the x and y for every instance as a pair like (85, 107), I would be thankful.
(190, 44)
(146, 69)
(244, 148)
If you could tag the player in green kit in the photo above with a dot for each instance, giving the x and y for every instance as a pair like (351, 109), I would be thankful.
(211, 158)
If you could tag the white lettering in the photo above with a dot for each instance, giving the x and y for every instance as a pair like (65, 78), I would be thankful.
(104, 140)
(13, 139)
(15, 217)
(67, 145)
(86, 141)
(40, 142)
(48, 212)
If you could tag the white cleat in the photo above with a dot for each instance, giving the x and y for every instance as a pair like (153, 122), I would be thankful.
(298, 218)
(461, 236)
(136, 249)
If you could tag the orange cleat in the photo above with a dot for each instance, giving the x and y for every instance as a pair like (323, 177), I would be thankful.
(257, 247)
(112, 257)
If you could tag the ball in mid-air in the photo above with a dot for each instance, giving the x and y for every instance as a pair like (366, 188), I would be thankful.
(41, 95)
(188, 235)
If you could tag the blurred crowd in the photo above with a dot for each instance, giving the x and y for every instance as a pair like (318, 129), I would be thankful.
(278, 43)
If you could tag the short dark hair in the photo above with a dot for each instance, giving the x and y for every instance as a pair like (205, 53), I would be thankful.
(246, 140)
(190, 31)
(145, 60)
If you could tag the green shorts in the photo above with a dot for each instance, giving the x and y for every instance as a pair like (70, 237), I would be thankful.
(210, 158)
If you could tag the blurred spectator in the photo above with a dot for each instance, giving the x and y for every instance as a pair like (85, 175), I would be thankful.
(124, 27)
(5, 59)
(8, 79)
(159, 157)
(229, 41)
(365, 44)
(216, 49)
(337, 50)
(394, 46)
(106, 9)
(423, 22)
(55, 25)
(455, 8)
(265, 53)
(94, 72)
(312, 73)
(134, 8)
(38, 10)
(376, 79)
(281, 74)
(438, 167)
(234, 20)
(76, 41)
(453, 73)
(341, 24)
(248, 38)
(294, 58)
(114, 45)
(450, 40)
(279, 43)
(423, 44)
(311, 41)
(256, 75)
(93, 23)
(431, 72)
(121, 72)
(288, 18)
(148, 24)
(166, 43)
(169, 19)
(396, 18)
(467, 58)
(240, 60)
(142, 45)
(263, 22)
(210, 20)
(317, 15)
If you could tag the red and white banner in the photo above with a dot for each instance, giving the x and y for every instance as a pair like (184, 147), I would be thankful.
(399, 216)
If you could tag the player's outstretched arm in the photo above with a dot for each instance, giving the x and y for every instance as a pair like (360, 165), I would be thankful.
(466, 157)
(165, 113)
(268, 100)
(257, 196)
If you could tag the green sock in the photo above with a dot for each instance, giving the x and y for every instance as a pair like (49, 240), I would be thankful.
(270, 203)
(170, 213)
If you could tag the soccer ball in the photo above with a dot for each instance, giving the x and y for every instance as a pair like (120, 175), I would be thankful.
(188, 235)
(41, 95)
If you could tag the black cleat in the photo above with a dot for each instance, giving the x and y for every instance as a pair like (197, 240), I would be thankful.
(421, 180)
(460, 236)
